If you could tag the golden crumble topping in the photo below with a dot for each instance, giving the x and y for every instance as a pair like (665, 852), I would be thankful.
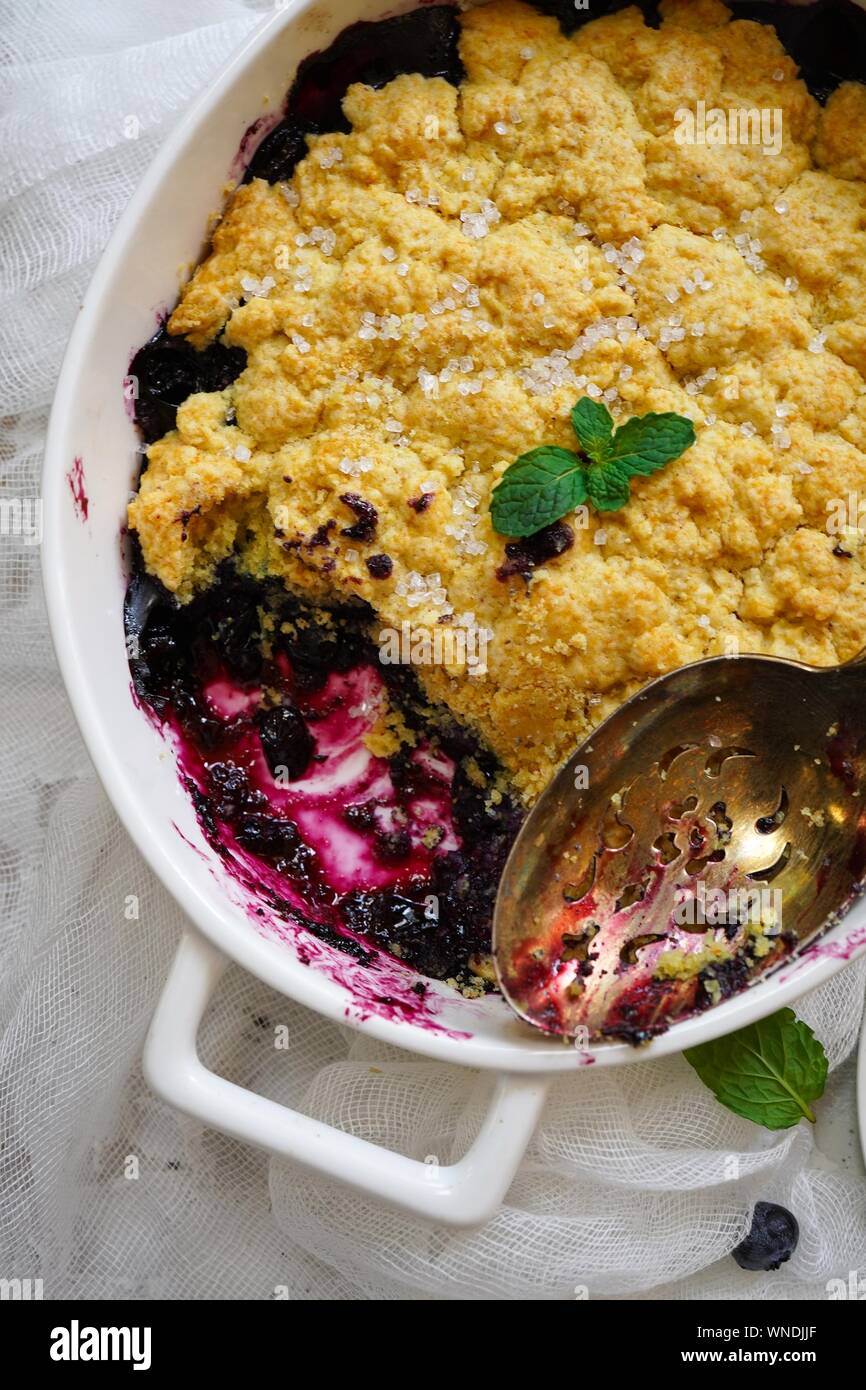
(431, 293)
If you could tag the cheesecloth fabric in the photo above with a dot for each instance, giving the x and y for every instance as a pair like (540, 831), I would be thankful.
(637, 1182)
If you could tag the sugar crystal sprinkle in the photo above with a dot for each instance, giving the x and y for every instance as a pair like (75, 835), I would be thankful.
(354, 468)
(329, 157)
(257, 288)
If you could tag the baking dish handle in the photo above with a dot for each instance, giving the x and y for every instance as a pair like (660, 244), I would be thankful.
(465, 1193)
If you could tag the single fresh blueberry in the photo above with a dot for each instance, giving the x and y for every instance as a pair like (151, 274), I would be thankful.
(772, 1239)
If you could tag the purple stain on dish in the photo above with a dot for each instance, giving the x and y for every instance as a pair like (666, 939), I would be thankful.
(75, 479)
(845, 949)
(187, 841)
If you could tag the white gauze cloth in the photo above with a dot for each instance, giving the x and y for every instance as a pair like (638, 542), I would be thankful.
(637, 1182)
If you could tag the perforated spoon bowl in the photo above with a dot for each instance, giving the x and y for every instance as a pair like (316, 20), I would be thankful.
(702, 832)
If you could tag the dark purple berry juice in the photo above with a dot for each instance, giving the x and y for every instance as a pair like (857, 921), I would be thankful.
(270, 705)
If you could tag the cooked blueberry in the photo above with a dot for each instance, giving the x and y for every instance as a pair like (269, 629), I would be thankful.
(424, 41)
(226, 617)
(772, 1239)
(279, 153)
(362, 816)
(421, 503)
(143, 595)
(278, 841)
(391, 918)
(408, 776)
(229, 788)
(393, 845)
(195, 718)
(457, 741)
(287, 743)
(158, 642)
(168, 370)
(526, 555)
(317, 649)
(728, 977)
(364, 529)
(270, 836)
(380, 566)
(827, 38)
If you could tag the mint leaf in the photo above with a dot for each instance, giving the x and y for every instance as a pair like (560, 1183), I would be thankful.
(537, 489)
(639, 447)
(647, 442)
(544, 485)
(607, 487)
(593, 425)
(768, 1072)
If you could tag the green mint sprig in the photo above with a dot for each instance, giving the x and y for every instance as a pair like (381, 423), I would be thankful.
(547, 483)
(768, 1072)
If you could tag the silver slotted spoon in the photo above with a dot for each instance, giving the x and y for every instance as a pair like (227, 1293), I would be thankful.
(711, 824)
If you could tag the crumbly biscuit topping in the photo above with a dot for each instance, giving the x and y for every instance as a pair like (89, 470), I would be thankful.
(430, 294)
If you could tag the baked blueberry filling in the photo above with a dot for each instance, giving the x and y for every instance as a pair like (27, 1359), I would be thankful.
(169, 369)
(423, 41)
(253, 684)
(827, 38)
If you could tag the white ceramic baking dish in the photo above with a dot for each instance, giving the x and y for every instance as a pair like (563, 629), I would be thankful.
(161, 230)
